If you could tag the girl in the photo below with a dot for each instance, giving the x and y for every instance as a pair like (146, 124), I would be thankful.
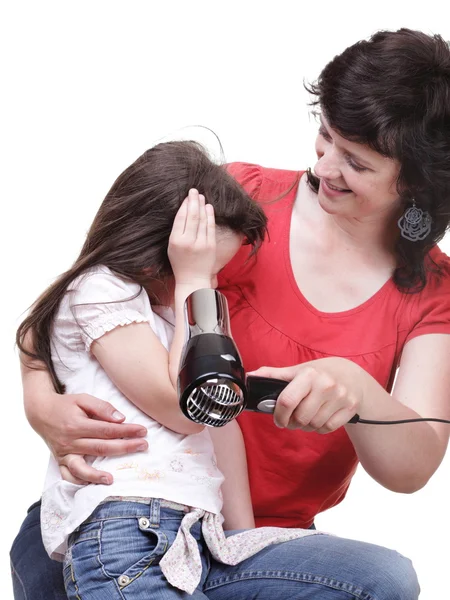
(113, 324)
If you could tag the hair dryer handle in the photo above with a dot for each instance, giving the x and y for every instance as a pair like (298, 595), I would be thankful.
(263, 393)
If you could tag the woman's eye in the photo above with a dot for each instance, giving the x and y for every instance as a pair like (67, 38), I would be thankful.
(327, 137)
(353, 165)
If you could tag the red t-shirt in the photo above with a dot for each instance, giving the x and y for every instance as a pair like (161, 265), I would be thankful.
(293, 474)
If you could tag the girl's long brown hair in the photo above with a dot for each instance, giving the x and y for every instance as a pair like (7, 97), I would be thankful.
(130, 232)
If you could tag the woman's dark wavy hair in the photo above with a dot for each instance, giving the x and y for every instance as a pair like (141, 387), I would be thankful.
(131, 230)
(392, 93)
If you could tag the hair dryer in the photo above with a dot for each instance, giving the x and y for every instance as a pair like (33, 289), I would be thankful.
(212, 386)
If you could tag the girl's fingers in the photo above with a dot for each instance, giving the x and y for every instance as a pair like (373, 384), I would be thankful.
(179, 223)
(193, 216)
(210, 225)
(202, 222)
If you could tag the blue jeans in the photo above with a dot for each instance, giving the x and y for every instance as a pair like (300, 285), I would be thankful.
(115, 553)
(318, 567)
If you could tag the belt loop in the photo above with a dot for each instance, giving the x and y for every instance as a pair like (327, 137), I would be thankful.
(155, 512)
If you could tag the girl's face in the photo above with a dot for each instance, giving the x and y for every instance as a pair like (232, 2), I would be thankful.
(227, 244)
(355, 181)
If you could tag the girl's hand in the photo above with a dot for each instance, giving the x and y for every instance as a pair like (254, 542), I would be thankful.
(192, 243)
(322, 394)
(75, 425)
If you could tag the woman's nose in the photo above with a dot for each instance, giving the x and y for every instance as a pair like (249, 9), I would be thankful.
(328, 166)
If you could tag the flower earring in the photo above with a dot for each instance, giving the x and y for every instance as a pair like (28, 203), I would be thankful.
(415, 224)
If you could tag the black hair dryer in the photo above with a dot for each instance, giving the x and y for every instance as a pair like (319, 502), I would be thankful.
(212, 386)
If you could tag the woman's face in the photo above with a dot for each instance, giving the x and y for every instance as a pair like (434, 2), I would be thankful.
(355, 181)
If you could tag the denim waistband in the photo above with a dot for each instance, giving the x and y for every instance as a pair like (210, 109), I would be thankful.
(142, 507)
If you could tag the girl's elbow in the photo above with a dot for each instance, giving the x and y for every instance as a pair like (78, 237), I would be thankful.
(187, 427)
(195, 428)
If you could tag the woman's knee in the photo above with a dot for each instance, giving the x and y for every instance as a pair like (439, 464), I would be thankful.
(382, 573)
(397, 578)
(355, 566)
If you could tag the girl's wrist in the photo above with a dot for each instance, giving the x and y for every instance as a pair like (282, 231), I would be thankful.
(186, 288)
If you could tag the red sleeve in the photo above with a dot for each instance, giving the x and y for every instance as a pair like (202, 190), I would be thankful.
(248, 176)
(430, 309)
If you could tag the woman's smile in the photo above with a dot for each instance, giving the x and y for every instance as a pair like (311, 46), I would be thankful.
(332, 191)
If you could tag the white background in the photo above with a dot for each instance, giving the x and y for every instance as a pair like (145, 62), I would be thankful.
(87, 87)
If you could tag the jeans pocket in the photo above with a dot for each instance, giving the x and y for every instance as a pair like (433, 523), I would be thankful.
(70, 583)
(68, 574)
(128, 546)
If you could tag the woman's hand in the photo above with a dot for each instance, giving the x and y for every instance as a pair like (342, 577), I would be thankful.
(75, 425)
(192, 243)
(322, 395)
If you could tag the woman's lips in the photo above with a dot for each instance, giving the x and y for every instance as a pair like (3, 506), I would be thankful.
(332, 191)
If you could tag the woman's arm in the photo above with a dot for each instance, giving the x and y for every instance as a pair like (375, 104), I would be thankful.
(75, 425)
(404, 457)
(324, 394)
(231, 459)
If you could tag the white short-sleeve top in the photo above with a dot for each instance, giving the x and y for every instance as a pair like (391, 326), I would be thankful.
(176, 467)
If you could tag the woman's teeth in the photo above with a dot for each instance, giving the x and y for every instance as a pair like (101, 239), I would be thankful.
(333, 187)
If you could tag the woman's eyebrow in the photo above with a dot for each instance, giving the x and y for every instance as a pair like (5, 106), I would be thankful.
(356, 157)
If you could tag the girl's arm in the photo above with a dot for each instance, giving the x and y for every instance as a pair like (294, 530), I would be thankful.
(231, 459)
(79, 424)
(138, 364)
(132, 356)
(192, 254)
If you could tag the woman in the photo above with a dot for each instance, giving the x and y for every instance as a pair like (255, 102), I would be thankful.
(358, 239)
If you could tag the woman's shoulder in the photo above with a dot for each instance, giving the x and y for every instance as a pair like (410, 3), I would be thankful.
(438, 274)
(441, 259)
(255, 178)
(429, 309)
